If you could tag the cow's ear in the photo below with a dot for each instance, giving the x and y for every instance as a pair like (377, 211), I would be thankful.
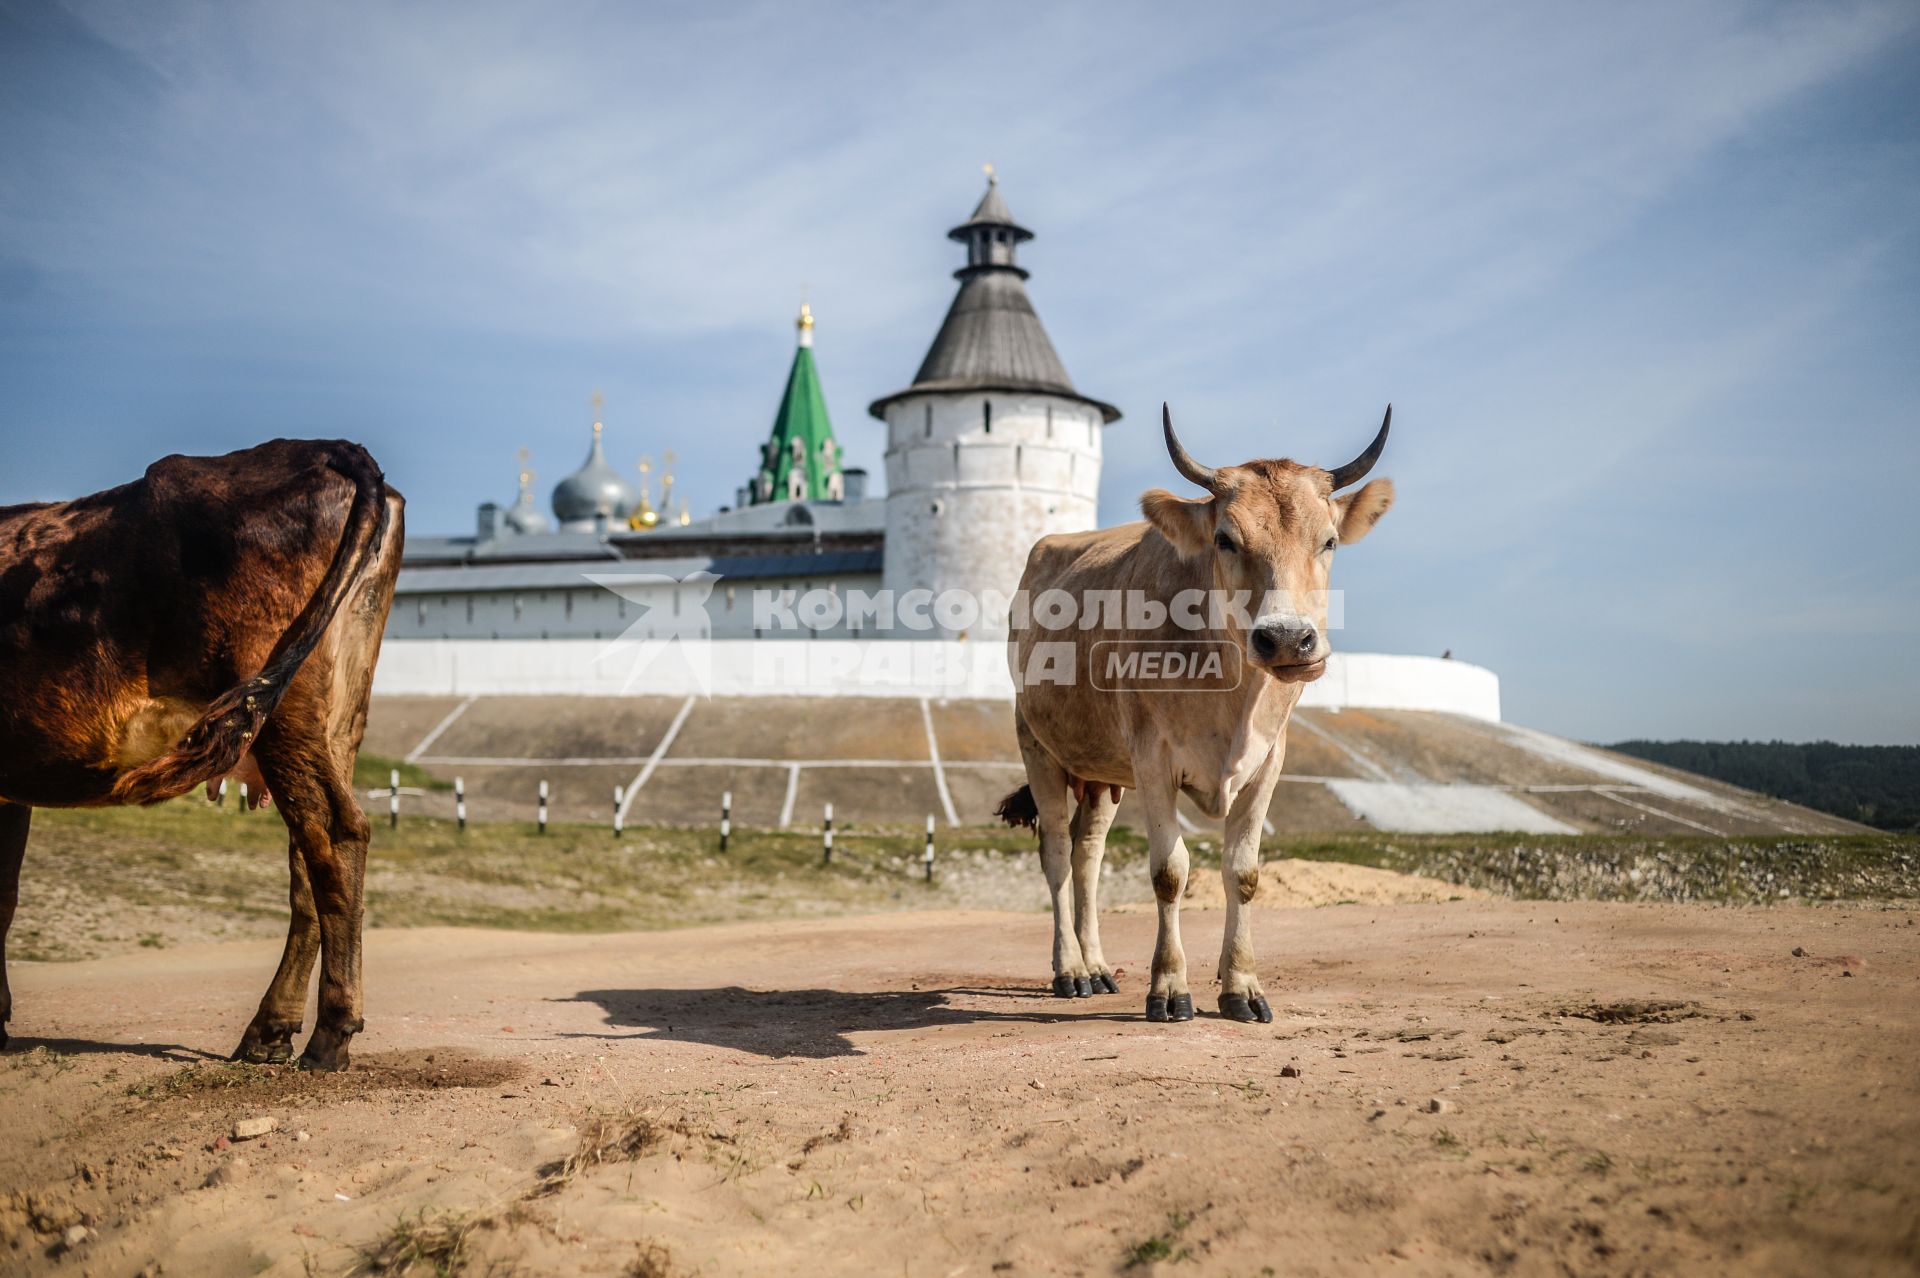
(1359, 511)
(1187, 522)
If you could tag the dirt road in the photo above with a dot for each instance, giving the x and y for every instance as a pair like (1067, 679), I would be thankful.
(1471, 1086)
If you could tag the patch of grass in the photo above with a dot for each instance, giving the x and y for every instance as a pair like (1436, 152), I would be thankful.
(650, 1260)
(1747, 870)
(225, 871)
(375, 772)
(606, 1138)
(429, 1242)
(1163, 1248)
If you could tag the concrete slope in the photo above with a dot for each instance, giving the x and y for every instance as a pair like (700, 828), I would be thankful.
(895, 761)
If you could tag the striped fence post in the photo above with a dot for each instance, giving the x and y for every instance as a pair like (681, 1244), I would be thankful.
(726, 818)
(928, 857)
(619, 797)
(243, 796)
(460, 802)
(393, 799)
(222, 800)
(826, 836)
(543, 807)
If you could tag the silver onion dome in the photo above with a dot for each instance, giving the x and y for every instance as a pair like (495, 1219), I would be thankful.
(524, 516)
(593, 493)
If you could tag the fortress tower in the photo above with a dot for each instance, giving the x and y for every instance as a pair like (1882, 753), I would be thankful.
(991, 447)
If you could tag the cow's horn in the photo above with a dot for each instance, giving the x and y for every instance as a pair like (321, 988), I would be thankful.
(1356, 470)
(1205, 476)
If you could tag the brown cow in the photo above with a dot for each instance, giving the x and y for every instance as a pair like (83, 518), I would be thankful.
(218, 613)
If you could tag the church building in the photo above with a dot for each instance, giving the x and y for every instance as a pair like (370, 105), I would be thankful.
(988, 448)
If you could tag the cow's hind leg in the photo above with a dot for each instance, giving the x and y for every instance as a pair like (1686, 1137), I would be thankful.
(311, 784)
(14, 819)
(1168, 998)
(331, 834)
(1054, 804)
(1091, 820)
(269, 1038)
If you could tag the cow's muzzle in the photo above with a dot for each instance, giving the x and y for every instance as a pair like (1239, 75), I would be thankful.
(1285, 644)
(1295, 652)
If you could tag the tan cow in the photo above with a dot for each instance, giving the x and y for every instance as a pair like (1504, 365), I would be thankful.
(1170, 662)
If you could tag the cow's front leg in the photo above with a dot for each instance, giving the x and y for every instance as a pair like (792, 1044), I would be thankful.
(1167, 996)
(1091, 820)
(14, 819)
(1241, 998)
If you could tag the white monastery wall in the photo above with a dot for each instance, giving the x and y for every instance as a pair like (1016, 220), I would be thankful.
(850, 668)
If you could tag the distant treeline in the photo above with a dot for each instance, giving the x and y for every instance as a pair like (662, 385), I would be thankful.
(1876, 785)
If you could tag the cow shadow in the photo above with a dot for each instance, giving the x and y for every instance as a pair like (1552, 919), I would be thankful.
(21, 1044)
(816, 1023)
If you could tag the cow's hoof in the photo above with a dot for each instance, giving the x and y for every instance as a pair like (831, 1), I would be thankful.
(267, 1043)
(1238, 1007)
(1103, 983)
(327, 1049)
(276, 1051)
(334, 1062)
(1063, 986)
(3, 1038)
(1177, 1008)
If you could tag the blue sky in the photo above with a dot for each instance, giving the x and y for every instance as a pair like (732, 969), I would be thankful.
(1640, 280)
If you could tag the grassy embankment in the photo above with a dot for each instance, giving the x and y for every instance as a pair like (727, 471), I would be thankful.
(102, 881)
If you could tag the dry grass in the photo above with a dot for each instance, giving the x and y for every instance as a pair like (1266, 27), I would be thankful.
(440, 1242)
(651, 1260)
(606, 1138)
(429, 1242)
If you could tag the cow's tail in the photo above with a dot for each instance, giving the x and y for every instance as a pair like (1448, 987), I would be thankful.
(1019, 809)
(212, 747)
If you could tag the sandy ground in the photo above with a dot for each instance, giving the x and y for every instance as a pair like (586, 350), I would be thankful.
(1466, 1086)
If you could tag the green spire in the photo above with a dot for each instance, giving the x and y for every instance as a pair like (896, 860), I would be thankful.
(801, 427)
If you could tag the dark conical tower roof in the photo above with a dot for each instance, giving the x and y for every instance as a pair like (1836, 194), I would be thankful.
(990, 211)
(992, 338)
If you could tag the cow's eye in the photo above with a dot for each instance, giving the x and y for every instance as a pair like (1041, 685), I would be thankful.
(1225, 542)
(1328, 548)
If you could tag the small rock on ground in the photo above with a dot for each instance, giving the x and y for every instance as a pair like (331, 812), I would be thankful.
(230, 1172)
